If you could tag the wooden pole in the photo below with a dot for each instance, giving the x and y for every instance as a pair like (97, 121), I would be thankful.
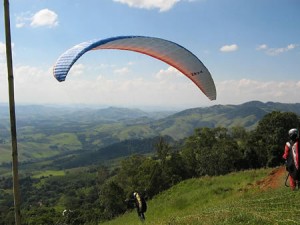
(16, 189)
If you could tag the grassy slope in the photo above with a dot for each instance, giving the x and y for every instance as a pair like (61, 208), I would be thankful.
(250, 197)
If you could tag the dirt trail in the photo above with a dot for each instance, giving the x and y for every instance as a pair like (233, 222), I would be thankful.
(275, 179)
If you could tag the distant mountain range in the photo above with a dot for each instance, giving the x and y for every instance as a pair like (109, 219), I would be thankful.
(47, 131)
(182, 124)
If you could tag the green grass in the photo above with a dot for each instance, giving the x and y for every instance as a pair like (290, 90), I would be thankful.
(47, 173)
(66, 139)
(136, 131)
(226, 200)
(5, 152)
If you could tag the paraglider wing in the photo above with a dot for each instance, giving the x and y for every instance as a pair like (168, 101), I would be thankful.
(164, 50)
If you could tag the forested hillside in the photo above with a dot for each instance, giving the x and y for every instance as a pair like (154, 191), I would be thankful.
(95, 193)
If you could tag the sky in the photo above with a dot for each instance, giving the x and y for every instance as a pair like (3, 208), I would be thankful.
(251, 48)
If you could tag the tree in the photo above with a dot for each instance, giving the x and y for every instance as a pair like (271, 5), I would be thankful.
(163, 149)
(271, 134)
(175, 169)
(211, 151)
(196, 151)
(112, 199)
(226, 157)
(102, 174)
(238, 133)
(129, 176)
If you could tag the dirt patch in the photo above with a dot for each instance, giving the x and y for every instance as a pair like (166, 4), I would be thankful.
(275, 179)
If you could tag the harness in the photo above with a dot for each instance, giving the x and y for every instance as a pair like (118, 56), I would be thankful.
(142, 207)
(293, 160)
(295, 155)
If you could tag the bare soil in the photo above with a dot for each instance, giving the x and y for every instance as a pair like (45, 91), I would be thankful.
(275, 179)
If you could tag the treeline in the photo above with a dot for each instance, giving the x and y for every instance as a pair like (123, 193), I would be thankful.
(98, 194)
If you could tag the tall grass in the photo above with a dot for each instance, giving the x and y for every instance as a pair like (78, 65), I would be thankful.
(232, 199)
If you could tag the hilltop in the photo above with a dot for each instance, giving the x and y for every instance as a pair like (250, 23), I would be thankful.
(247, 197)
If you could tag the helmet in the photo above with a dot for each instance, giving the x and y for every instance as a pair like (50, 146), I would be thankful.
(293, 134)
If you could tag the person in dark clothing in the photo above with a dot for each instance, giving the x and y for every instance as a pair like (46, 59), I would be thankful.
(137, 200)
(291, 157)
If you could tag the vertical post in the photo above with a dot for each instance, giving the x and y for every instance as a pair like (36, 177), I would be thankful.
(16, 189)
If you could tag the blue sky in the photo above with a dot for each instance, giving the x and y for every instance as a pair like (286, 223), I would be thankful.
(251, 48)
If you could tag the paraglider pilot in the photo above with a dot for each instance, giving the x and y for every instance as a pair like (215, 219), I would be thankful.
(291, 157)
(137, 200)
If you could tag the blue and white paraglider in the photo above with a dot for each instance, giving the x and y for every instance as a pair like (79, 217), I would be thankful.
(167, 51)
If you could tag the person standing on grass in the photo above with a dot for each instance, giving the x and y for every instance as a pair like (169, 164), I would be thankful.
(291, 157)
(137, 200)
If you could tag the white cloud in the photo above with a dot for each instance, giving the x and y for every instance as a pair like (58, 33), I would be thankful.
(162, 5)
(229, 48)
(169, 73)
(276, 51)
(239, 91)
(167, 88)
(122, 71)
(291, 46)
(262, 47)
(23, 19)
(44, 17)
(2, 51)
(171, 79)
(77, 69)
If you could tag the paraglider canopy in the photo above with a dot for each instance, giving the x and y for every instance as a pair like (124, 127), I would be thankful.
(167, 51)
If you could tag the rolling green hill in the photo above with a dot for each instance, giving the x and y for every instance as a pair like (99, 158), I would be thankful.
(245, 115)
(249, 197)
(47, 131)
